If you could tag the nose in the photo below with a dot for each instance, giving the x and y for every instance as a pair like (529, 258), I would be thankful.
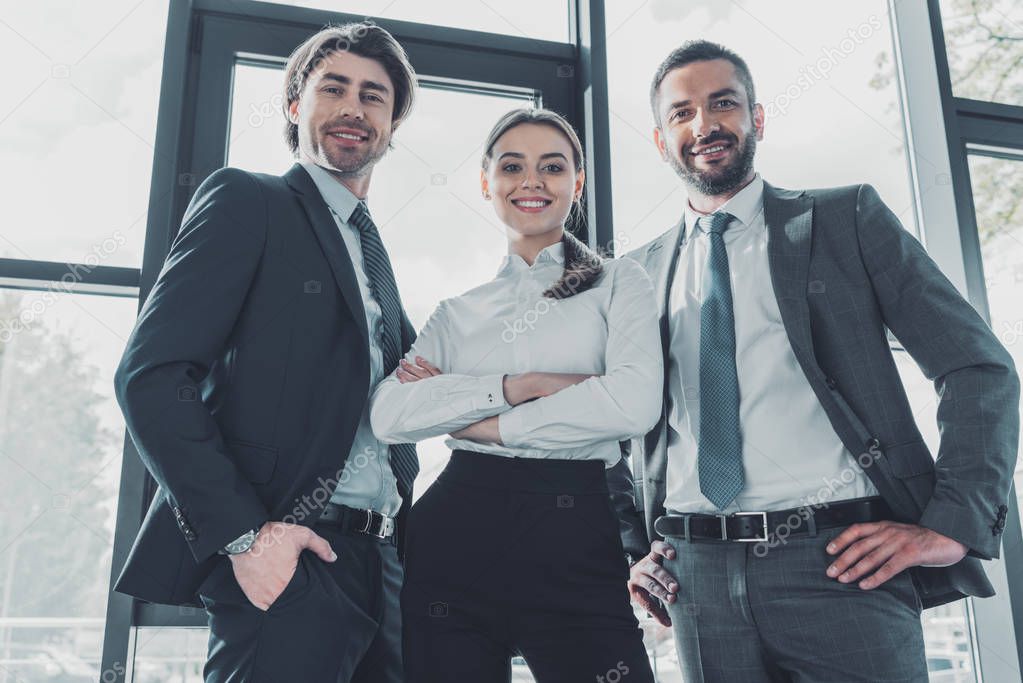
(351, 107)
(703, 124)
(531, 180)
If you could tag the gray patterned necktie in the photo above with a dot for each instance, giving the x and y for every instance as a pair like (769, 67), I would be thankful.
(377, 265)
(720, 449)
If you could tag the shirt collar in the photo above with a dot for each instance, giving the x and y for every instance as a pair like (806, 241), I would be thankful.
(552, 254)
(338, 197)
(744, 206)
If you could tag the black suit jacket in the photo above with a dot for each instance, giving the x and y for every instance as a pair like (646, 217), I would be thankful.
(245, 377)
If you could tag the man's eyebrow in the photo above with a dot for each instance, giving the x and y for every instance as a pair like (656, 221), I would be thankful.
(345, 80)
(714, 95)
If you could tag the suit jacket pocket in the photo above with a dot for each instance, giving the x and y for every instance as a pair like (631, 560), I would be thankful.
(910, 459)
(912, 464)
(255, 461)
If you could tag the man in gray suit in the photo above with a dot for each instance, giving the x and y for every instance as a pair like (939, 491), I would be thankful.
(790, 519)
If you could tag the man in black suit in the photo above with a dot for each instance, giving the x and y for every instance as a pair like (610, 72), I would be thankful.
(244, 387)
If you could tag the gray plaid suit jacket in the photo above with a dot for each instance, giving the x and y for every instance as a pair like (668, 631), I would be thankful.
(844, 272)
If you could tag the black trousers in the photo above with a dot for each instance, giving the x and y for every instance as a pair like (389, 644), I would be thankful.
(509, 556)
(335, 622)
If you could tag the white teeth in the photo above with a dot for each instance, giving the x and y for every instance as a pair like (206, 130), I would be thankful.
(347, 136)
(531, 204)
(716, 148)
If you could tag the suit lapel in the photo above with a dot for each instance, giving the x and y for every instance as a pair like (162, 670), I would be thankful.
(789, 219)
(662, 258)
(331, 242)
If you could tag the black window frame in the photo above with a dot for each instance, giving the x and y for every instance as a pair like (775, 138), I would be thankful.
(204, 40)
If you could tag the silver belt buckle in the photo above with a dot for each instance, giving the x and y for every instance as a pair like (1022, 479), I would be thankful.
(763, 526)
(386, 525)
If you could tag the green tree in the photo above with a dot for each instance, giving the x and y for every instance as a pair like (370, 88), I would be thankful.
(55, 517)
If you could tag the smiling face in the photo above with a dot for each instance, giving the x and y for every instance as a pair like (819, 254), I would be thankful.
(344, 114)
(707, 130)
(531, 178)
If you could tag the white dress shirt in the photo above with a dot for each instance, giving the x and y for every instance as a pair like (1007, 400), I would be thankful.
(506, 326)
(791, 454)
(367, 481)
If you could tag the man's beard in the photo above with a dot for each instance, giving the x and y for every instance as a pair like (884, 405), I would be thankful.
(719, 180)
(351, 163)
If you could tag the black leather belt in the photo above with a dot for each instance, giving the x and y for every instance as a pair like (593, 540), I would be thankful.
(760, 526)
(361, 521)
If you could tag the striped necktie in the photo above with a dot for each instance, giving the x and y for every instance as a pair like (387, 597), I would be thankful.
(377, 265)
(719, 460)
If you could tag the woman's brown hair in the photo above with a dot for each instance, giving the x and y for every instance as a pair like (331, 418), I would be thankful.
(583, 266)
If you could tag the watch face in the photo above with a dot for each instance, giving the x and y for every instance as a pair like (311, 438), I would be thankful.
(242, 543)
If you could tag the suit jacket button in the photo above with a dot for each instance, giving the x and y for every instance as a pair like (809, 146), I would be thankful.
(190, 535)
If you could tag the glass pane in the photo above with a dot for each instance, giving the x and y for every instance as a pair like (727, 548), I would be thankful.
(169, 655)
(60, 461)
(946, 628)
(540, 19)
(77, 126)
(425, 195)
(998, 198)
(823, 71)
(984, 40)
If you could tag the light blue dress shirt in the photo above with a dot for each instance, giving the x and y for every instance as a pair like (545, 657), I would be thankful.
(367, 480)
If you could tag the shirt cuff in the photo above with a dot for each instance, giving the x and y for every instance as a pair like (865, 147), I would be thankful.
(509, 427)
(491, 393)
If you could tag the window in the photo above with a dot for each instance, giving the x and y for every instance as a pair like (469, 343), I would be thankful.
(824, 73)
(997, 184)
(984, 39)
(78, 152)
(540, 19)
(61, 432)
(222, 107)
(78, 143)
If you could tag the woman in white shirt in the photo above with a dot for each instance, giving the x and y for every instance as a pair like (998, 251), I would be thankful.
(536, 375)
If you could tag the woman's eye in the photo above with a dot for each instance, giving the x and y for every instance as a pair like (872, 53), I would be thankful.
(553, 168)
(511, 168)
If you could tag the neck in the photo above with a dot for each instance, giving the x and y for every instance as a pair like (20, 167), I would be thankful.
(707, 204)
(528, 246)
(357, 182)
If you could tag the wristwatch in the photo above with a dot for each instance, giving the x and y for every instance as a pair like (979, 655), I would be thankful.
(241, 544)
(630, 559)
